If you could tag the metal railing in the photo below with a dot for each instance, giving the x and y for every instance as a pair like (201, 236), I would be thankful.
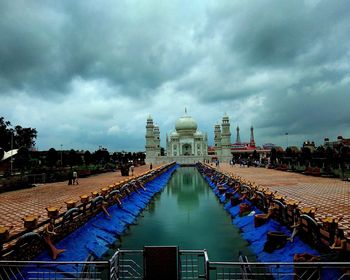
(128, 264)
(16, 270)
(192, 264)
(278, 270)
(195, 264)
(307, 270)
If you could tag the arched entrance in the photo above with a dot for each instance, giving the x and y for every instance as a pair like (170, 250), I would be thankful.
(186, 149)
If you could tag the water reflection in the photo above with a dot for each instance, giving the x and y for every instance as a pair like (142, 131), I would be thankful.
(187, 214)
(186, 188)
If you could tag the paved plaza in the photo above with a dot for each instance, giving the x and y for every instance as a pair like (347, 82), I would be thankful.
(330, 196)
(17, 204)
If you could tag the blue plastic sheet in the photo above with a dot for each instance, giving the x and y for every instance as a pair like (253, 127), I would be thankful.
(257, 237)
(98, 233)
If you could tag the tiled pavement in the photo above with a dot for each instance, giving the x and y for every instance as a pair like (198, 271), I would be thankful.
(15, 205)
(330, 196)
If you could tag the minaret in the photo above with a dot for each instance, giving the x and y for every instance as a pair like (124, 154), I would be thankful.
(252, 142)
(167, 145)
(150, 148)
(238, 139)
(156, 140)
(226, 137)
(217, 139)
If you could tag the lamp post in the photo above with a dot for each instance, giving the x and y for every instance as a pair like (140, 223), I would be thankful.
(287, 139)
(61, 154)
(11, 161)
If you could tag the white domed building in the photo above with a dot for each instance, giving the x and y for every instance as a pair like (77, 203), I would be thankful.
(185, 145)
(186, 140)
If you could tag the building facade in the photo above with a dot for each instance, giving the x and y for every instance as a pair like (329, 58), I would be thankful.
(222, 140)
(186, 140)
(150, 139)
(184, 145)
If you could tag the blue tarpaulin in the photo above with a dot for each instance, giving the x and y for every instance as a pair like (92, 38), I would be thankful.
(95, 236)
(257, 237)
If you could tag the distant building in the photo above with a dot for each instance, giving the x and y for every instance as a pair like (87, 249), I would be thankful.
(186, 140)
(310, 145)
(151, 150)
(188, 145)
(335, 144)
(225, 150)
(269, 146)
(185, 145)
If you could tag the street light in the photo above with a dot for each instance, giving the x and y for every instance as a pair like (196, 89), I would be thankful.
(287, 139)
(11, 161)
(61, 154)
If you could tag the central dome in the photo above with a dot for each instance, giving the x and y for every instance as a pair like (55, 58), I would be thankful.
(186, 123)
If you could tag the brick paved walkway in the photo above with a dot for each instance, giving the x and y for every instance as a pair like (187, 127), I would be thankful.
(330, 196)
(15, 205)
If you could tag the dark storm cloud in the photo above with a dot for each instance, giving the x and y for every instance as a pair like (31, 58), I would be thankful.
(46, 45)
(301, 49)
(277, 33)
(279, 65)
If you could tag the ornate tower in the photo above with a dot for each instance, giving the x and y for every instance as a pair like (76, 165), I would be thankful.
(156, 140)
(226, 137)
(150, 148)
(252, 141)
(238, 138)
(217, 139)
(167, 145)
(205, 144)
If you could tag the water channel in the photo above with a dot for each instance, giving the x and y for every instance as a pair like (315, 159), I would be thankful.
(187, 214)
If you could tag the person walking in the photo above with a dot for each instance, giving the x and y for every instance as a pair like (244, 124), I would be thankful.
(132, 169)
(70, 177)
(75, 177)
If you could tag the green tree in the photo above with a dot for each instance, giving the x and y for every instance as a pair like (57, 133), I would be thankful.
(289, 152)
(2, 153)
(255, 155)
(52, 157)
(22, 159)
(329, 154)
(25, 137)
(22, 137)
(101, 156)
(5, 134)
(74, 158)
(273, 156)
(344, 150)
(306, 156)
(87, 158)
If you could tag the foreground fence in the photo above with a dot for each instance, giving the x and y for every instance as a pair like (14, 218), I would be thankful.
(187, 265)
(54, 270)
(195, 264)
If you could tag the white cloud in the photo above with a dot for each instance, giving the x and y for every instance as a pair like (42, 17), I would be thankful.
(113, 130)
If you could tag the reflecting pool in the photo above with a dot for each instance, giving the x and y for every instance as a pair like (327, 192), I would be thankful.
(187, 214)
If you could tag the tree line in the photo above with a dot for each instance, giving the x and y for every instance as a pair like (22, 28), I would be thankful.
(16, 136)
(325, 157)
(28, 159)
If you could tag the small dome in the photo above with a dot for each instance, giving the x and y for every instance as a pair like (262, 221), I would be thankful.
(186, 123)
(174, 134)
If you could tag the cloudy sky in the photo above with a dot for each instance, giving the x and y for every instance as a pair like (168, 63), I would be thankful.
(88, 73)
